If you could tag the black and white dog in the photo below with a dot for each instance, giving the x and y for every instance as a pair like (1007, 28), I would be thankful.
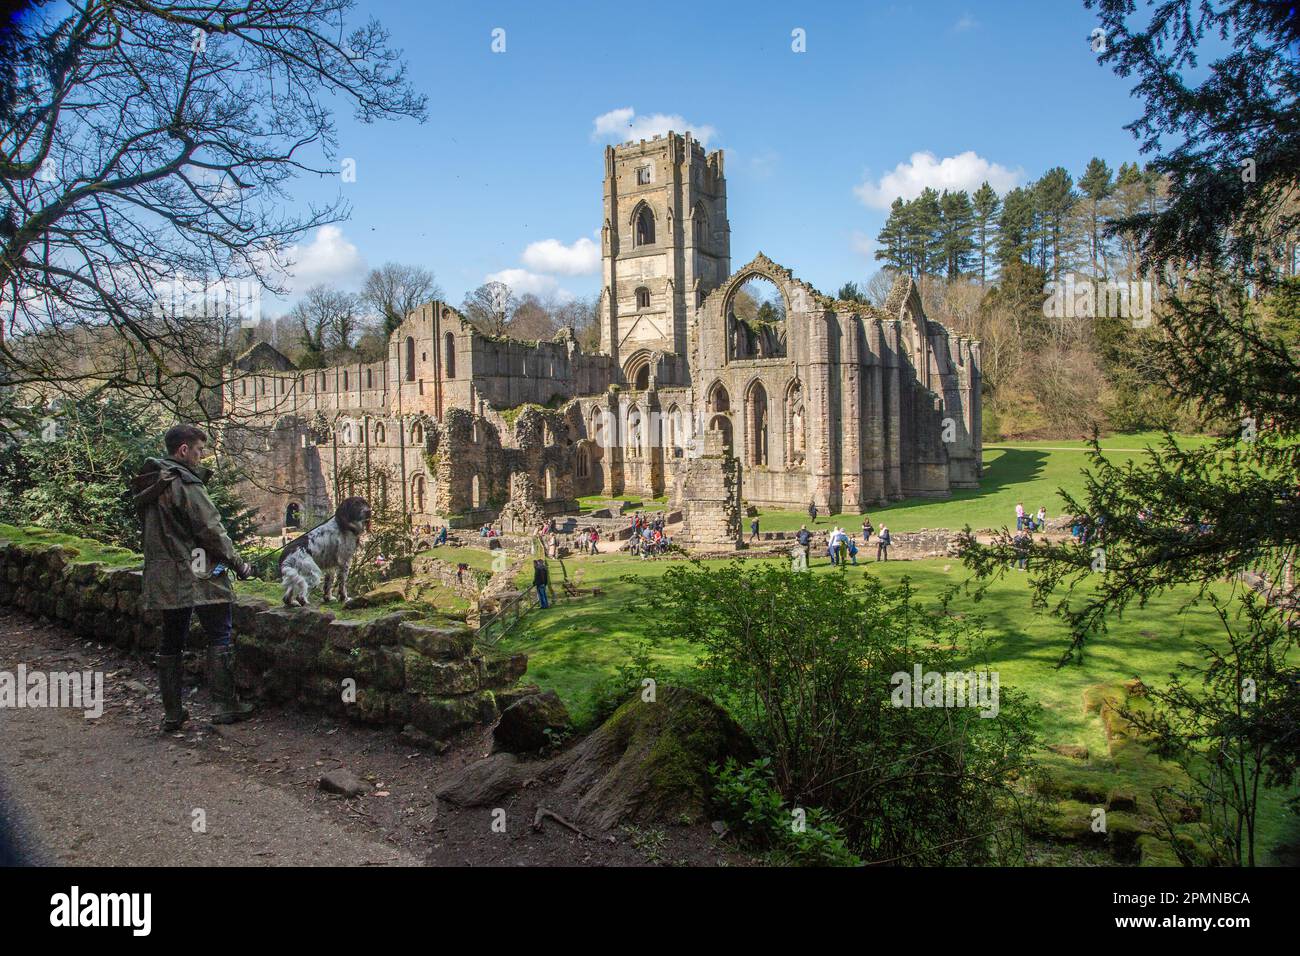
(324, 553)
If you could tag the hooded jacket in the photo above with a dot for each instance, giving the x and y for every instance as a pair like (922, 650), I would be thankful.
(184, 539)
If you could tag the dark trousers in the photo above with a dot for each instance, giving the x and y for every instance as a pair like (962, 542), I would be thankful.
(882, 549)
(215, 619)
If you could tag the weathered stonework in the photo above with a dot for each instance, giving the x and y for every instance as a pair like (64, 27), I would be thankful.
(709, 488)
(404, 671)
(844, 404)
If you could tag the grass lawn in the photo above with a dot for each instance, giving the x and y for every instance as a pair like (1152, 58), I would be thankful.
(1028, 472)
(587, 502)
(576, 644)
(480, 559)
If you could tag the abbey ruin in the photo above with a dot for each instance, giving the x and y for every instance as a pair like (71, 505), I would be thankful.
(839, 403)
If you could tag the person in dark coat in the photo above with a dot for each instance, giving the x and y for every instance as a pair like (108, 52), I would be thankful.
(188, 563)
(804, 537)
(541, 581)
(882, 544)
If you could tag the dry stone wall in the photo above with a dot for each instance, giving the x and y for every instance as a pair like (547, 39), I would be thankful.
(405, 672)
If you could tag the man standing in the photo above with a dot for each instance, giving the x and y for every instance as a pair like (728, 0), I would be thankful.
(541, 580)
(882, 544)
(188, 558)
(804, 537)
(812, 512)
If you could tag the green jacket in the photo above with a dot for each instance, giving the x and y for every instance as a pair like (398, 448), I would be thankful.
(184, 539)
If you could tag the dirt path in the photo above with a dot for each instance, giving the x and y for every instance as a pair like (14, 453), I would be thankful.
(113, 791)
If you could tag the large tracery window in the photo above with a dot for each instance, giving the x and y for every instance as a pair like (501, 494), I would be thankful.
(756, 327)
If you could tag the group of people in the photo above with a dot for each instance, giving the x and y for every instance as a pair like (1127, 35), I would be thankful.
(487, 531)
(1027, 521)
(842, 547)
(649, 541)
(588, 540)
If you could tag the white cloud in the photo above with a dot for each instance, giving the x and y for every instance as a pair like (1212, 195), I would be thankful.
(522, 282)
(329, 257)
(622, 125)
(963, 171)
(551, 255)
(863, 245)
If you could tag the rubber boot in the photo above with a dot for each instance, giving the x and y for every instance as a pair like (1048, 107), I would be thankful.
(170, 686)
(226, 705)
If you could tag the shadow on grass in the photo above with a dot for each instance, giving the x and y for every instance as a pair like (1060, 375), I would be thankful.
(1013, 467)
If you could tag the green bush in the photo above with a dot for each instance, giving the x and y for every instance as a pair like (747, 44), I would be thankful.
(807, 664)
(747, 798)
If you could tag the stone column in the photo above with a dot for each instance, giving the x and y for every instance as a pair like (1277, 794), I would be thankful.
(817, 404)
(851, 413)
(892, 388)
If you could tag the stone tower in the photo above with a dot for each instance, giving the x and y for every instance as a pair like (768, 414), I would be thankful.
(665, 244)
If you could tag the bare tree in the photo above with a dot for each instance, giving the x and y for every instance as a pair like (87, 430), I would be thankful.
(328, 321)
(536, 317)
(394, 291)
(490, 307)
(878, 286)
(145, 153)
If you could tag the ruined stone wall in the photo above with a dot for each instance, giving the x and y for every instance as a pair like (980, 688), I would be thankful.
(405, 672)
(708, 488)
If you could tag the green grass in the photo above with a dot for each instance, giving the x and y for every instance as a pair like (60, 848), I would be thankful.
(480, 559)
(576, 644)
(587, 502)
(1027, 472)
(87, 550)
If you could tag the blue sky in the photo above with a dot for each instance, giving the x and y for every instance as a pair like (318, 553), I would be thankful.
(817, 142)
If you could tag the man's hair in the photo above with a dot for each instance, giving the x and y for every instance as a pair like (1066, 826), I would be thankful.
(179, 435)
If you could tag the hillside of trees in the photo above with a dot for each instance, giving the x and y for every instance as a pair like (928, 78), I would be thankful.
(988, 265)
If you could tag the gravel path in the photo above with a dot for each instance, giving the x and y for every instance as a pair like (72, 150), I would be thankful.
(113, 791)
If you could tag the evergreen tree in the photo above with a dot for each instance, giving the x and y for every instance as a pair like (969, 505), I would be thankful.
(1054, 195)
(924, 221)
(955, 233)
(985, 205)
(1016, 228)
(892, 238)
(1095, 184)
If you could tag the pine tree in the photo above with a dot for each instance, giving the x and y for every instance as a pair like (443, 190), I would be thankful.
(956, 229)
(1055, 195)
(985, 206)
(1096, 185)
(891, 238)
(1016, 228)
(924, 221)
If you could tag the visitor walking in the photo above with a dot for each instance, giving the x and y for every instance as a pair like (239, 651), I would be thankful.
(853, 550)
(753, 529)
(541, 581)
(812, 512)
(882, 544)
(1042, 518)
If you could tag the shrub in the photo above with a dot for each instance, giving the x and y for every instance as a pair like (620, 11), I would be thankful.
(747, 798)
(806, 662)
